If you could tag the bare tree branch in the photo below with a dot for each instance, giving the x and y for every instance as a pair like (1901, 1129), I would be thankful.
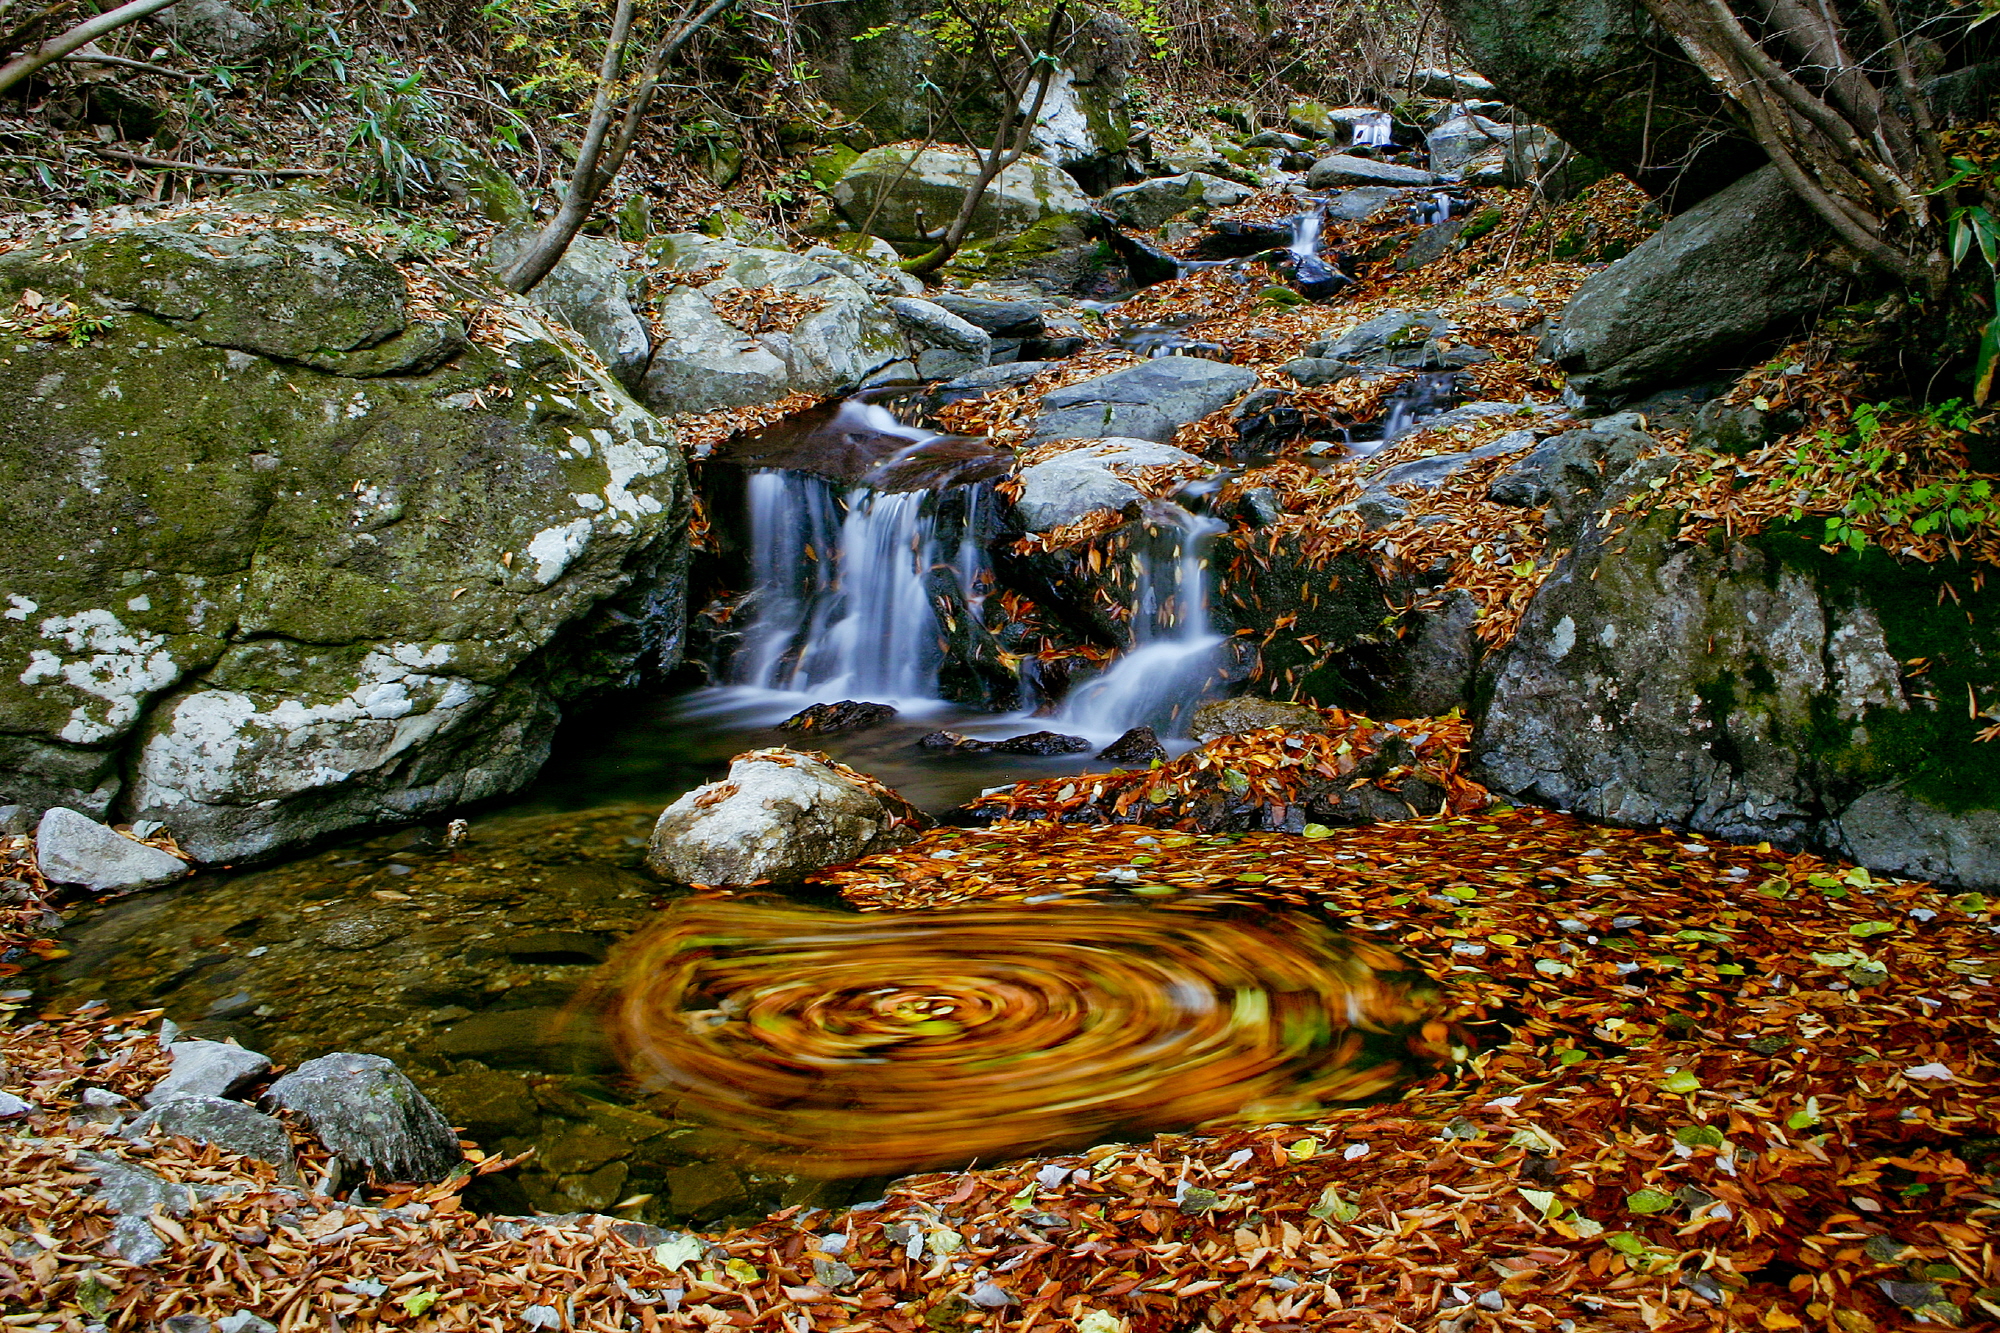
(78, 37)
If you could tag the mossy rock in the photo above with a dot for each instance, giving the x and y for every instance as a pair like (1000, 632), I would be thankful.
(264, 599)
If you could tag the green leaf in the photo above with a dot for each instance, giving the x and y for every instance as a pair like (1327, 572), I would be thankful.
(1863, 929)
(1680, 1081)
(1804, 1119)
(679, 1250)
(1839, 959)
(1625, 1242)
(417, 1302)
(1647, 1201)
(1702, 936)
(1332, 1208)
(1572, 1057)
(1699, 1136)
(1544, 1200)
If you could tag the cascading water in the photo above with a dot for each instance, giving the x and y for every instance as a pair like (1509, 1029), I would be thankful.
(846, 578)
(1175, 655)
(1376, 131)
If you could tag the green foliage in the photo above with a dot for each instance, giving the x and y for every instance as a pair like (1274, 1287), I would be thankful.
(1951, 504)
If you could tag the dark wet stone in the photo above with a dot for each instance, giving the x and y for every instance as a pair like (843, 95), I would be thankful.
(1034, 743)
(1317, 278)
(836, 440)
(1137, 747)
(1233, 239)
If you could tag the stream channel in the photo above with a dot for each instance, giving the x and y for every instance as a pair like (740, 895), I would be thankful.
(463, 962)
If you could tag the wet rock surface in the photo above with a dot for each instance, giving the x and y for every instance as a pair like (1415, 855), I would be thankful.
(1033, 743)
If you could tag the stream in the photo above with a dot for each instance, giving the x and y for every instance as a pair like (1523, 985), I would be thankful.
(469, 960)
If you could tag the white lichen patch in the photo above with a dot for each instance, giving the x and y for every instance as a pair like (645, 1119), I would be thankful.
(119, 668)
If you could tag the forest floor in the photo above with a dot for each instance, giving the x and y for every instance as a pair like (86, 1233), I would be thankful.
(1713, 1087)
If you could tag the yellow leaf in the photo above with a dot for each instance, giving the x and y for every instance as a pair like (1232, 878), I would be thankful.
(1776, 1318)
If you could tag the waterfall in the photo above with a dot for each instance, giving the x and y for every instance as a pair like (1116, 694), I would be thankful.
(1306, 228)
(1175, 655)
(843, 605)
(1375, 131)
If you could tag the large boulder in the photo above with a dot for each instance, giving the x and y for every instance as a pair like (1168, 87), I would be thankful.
(1604, 77)
(850, 327)
(1753, 690)
(219, 29)
(73, 849)
(1058, 491)
(1701, 292)
(1149, 401)
(778, 816)
(301, 559)
(904, 194)
(1152, 203)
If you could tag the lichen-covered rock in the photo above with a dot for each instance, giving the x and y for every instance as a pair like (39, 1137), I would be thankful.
(595, 291)
(289, 572)
(862, 328)
(132, 1193)
(1752, 690)
(778, 816)
(893, 185)
(1736, 268)
(73, 849)
(369, 1114)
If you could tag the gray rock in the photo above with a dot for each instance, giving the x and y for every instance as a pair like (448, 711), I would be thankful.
(132, 1193)
(1313, 371)
(1578, 463)
(1432, 472)
(1364, 202)
(229, 1125)
(217, 28)
(1752, 691)
(104, 1107)
(1733, 269)
(12, 1107)
(947, 345)
(15, 819)
(591, 289)
(979, 383)
(207, 1069)
(1378, 509)
(1000, 317)
(1291, 143)
(1150, 401)
(1395, 337)
(1233, 717)
(1436, 664)
(371, 1116)
(1601, 74)
(1431, 245)
(778, 816)
(1344, 170)
(1058, 491)
(1451, 84)
(1314, 120)
(314, 621)
(878, 184)
(73, 849)
(1463, 138)
(1151, 203)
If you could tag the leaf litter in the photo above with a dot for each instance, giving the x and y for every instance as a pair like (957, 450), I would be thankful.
(1699, 1100)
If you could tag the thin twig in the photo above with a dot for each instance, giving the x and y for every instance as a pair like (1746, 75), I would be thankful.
(202, 168)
